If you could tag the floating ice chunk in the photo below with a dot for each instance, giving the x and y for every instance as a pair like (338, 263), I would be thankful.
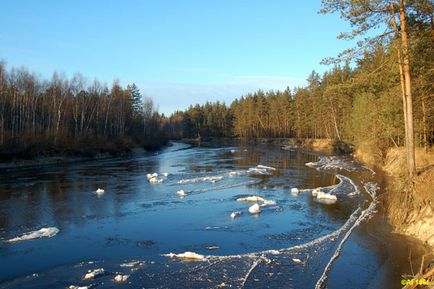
(296, 260)
(99, 191)
(252, 199)
(150, 176)
(190, 256)
(181, 193)
(294, 191)
(121, 278)
(234, 173)
(233, 151)
(91, 274)
(235, 214)
(42, 233)
(254, 209)
(260, 169)
(156, 180)
(265, 167)
(322, 195)
(212, 247)
(289, 147)
(165, 174)
(268, 203)
(131, 264)
(316, 191)
(204, 179)
(79, 287)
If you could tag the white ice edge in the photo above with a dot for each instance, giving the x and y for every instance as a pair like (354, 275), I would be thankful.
(371, 189)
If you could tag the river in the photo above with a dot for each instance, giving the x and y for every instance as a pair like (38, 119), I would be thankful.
(296, 241)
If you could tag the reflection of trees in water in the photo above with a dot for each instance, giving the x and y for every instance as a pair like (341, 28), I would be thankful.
(65, 195)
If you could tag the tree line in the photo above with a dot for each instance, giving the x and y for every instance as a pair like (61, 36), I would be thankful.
(378, 94)
(61, 116)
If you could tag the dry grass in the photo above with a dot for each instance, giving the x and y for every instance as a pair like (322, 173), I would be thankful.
(395, 163)
(411, 201)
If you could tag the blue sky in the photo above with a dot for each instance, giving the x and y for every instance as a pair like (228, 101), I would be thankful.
(178, 52)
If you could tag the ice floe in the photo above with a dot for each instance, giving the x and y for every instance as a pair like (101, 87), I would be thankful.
(315, 192)
(189, 256)
(131, 264)
(265, 167)
(80, 287)
(254, 209)
(203, 179)
(166, 174)
(181, 193)
(121, 278)
(296, 260)
(99, 191)
(295, 191)
(212, 248)
(150, 176)
(326, 196)
(252, 199)
(268, 203)
(333, 162)
(41, 233)
(262, 170)
(235, 214)
(289, 147)
(156, 180)
(91, 274)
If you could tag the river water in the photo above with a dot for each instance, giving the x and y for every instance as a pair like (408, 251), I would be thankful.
(297, 241)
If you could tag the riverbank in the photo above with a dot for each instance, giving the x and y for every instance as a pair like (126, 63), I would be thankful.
(62, 159)
(20, 158)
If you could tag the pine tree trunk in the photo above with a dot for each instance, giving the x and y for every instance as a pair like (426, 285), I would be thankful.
(411, 163)
(401, 70)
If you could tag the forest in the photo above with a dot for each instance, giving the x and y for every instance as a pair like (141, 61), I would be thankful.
(361, 100)
(71, 117)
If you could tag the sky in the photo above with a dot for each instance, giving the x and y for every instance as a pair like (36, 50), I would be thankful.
(177, 52)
